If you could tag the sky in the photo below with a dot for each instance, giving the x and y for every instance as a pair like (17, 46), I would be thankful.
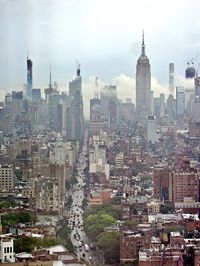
(103, 35)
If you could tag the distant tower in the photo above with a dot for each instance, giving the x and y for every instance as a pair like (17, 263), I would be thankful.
(29, 78)
(171, 78)
(143, 86)
(75, 126)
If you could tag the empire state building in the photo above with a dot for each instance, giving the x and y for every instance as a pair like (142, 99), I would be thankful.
(143, 86)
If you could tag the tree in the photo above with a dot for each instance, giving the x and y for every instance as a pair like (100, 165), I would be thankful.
(130, 224)
(174, 228)
(64, 233)
(26, 244)
(7, 203)
(70, 182)
(103, 208)
(16, 218)
(167, 208)
(109, 242)
(69, 202)
(95, 224)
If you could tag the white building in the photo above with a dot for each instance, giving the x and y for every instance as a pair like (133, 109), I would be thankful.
(152, 134)
(7, 250)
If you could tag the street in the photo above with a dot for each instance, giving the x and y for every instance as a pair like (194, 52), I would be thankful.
(78, 236)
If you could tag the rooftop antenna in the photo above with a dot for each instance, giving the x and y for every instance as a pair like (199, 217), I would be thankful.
(143, 45)
(78, 70)
(97, 88)
(50, 84)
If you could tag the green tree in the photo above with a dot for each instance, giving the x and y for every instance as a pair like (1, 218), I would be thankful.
(70, 182)
(109, 242)
(167, 208)
(16, 218)
(64, 233)
(130, 224)
(116, 199)
(26, 244)
(7, 203)
(95, 224)
(103, 208)
(174, 228)
(69, 202)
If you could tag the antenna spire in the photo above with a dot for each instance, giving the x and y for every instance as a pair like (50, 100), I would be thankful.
(50, 85)
(143, 45)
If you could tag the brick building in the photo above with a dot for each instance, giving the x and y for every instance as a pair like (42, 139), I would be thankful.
(185, 184)
(161, 182)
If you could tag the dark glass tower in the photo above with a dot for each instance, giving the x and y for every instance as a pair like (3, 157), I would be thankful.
(29, 78)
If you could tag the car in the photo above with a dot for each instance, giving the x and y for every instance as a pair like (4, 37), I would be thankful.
(92, 246)
(86, 247)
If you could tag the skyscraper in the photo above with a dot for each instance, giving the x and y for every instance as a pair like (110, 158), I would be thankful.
(143, 86)
(171, 78)
(29, 78)
(109, 105)
(75, 114)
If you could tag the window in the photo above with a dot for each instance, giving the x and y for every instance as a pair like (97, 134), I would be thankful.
(7, 249)
(4, 250)
(10, 249)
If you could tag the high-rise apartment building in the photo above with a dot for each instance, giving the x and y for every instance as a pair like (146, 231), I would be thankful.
(171, 78)
(143, 87)
(29, 78)
(161, 182)
(185, 182)
(6, 178)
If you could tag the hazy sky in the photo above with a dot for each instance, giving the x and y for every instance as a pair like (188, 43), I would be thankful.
(103, 35)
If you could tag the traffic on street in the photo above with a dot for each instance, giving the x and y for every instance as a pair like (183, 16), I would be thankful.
(84, 249)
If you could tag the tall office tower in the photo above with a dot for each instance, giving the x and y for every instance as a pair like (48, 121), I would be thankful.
(196, 101)
(180, 101)
(109, 105)
(171, 78)
(143, 86)
(156, 107)
(126, 111)
(162, 105)
(75, 115)
(95, 110)
(29, 78)
(171, 107)
(197, 87)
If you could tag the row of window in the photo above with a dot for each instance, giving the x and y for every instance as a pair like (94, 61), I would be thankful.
(7, 249)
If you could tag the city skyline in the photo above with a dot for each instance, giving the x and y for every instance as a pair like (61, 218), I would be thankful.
(59, 33)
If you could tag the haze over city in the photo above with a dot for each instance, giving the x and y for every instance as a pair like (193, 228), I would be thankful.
(104, 36)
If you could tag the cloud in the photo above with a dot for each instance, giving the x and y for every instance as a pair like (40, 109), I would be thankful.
(89, 89)
(186, 83)
(126, 88)
(158, 88)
